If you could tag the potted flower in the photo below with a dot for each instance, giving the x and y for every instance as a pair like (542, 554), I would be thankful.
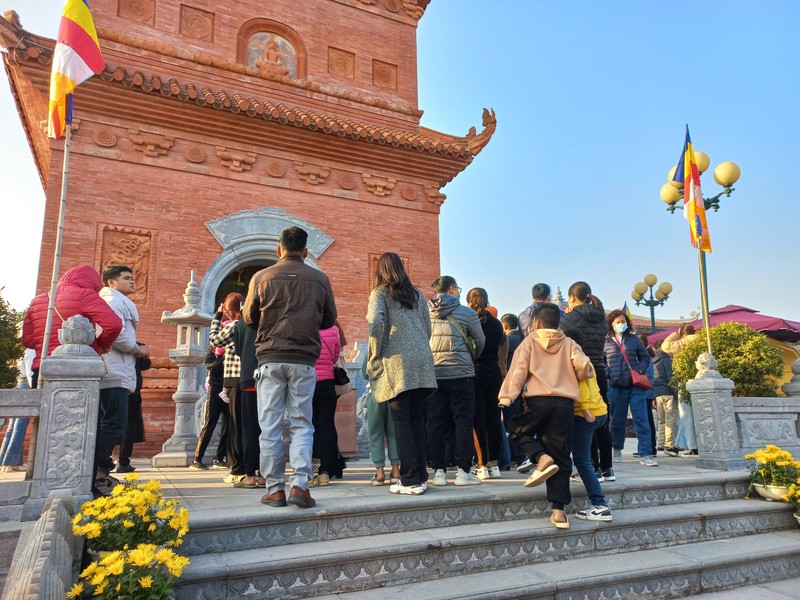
(145, 573)
(772, 471)
(134, 514)
(794, 498)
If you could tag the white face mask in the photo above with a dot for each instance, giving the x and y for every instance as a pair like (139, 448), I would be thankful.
(620, 327)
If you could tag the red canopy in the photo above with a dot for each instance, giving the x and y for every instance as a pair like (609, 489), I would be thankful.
(773, 327)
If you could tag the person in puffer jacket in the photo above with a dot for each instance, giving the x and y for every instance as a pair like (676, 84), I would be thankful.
(120, 377)
(76, 294)
(452, 406)
(325, 454)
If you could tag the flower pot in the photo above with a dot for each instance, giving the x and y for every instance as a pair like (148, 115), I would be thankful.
(771, 492)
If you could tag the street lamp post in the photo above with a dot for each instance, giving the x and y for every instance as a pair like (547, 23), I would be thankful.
(725, 174)
(656, 298)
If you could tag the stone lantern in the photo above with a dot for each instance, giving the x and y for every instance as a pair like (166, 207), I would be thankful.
(178, 450)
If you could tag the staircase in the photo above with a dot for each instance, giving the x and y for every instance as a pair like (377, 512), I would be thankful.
(672, 536)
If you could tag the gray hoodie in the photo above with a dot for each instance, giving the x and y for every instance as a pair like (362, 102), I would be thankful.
(451, 357)
(120, 361)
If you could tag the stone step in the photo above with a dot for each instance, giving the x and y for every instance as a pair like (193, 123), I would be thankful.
(672, 572)
(376, 510)
(385, 557)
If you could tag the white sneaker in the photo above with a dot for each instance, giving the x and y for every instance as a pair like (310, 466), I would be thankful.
(439, 477)
(464, 478)
(494, 472)
(596, 513)
(406, 490)
(648, 461)
(617, 454)
(482, 473)
(231, 478)
(526, 466)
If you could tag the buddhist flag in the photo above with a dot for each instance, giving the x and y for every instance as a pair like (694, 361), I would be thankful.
(694, 209)
(627, 311)
(75, 59)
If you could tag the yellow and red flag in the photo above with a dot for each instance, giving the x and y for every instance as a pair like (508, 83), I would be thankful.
(694, 208)
(75, 59)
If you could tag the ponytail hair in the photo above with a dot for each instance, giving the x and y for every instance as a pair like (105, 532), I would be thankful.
(582, 291)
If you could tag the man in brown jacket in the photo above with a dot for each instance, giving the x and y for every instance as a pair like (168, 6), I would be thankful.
(287, 304)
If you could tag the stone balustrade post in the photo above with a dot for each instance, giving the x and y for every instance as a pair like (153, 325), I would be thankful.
(714, 418)
(67, 430)
(792, 387)
(178, 450)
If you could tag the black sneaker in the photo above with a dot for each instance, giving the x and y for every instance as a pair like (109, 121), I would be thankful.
(608, 475)
(692, 452)
(103, 486)
(198, 465)
(126, 469)
(219, 464)
(637, 455)
(672, 451)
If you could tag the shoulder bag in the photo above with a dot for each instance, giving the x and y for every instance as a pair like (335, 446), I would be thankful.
(639, 380)
(472, 348)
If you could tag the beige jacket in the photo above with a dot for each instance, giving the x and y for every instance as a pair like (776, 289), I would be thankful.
(675, 344)
(548, 364)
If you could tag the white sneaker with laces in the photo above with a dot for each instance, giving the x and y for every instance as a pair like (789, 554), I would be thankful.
(482, 473)
(406, 490)
(494, 472)
(596, 513)
(439, 477)
(464, 478)
(526, 466)
(648, 461)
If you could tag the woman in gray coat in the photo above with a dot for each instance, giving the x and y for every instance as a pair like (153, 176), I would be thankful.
(401, 365)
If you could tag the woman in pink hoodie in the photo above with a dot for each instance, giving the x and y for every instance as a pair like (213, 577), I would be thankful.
(325, 453)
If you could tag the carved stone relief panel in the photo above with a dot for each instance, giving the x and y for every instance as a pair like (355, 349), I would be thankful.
(131, 246)
(341, 63)
(384, 75)
(105, 138)
(196, 23)
(373, 263)
(272, 53)
(64, 451)
(393, 5)
(143, 11)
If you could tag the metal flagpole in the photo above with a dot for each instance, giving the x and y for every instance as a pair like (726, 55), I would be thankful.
(704, 294)
(51, 304)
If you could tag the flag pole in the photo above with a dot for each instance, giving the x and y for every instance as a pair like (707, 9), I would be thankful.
(62, 208)
(704, 296)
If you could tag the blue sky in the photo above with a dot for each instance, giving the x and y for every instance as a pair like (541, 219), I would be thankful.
(592, 98)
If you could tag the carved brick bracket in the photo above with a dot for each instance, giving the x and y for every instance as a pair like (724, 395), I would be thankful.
(236, 161)
(413, 10)
(151, 144)
(380, 186)
(311, 174)
(434, 195)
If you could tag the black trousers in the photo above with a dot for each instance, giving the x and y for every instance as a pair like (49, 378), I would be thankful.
(251, 431)
(326, 447)
(487, 416)
(408, 414)
(215, 408)
(549, 418)
(235, 445)
(601, 441)
(452, 406)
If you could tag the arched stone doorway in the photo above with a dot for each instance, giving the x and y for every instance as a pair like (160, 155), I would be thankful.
(238, 280)
(249, 239)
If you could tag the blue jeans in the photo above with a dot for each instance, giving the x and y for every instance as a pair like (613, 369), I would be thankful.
(619, 400)
(11, 450)
(111, 423)
(286, 387)
(582, 434)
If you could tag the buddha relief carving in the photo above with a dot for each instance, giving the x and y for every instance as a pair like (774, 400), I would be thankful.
(272, 54)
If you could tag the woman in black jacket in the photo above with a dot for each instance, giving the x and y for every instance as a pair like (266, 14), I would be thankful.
(587, 318)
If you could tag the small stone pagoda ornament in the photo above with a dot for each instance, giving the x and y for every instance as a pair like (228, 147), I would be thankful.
(178, 450)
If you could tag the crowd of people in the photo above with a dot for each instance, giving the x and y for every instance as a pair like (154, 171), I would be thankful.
(451, 388)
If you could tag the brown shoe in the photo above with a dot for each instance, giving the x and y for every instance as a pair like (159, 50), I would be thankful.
(301, 498)
(276, 499)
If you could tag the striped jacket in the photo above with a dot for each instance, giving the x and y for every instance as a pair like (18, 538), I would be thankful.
(224, 336)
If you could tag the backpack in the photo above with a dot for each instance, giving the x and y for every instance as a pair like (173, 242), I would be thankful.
(472, 347)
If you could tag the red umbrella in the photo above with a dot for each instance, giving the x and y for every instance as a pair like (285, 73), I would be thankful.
(773, 327)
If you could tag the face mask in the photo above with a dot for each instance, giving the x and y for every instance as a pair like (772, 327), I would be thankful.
(620, 327)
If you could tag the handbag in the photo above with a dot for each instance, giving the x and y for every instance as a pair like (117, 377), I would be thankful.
(639, 380)
(341, 380)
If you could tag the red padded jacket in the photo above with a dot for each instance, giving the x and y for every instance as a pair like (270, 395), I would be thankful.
(76, 294)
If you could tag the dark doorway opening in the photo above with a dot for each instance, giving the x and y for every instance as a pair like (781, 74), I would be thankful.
(238, 280)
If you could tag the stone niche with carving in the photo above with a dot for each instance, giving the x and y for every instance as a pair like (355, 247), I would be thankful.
(196, 23)
(130, 246)
(272, 53)
(373, 263)
(142, 11)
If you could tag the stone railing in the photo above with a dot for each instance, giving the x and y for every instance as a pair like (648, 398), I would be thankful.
(64, 424)
(729, 427)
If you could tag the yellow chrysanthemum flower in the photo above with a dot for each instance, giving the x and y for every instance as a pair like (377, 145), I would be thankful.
(75, 591)
(127, 524)
(89, 571)
(101, 588)
(131, 477)
(146, 582)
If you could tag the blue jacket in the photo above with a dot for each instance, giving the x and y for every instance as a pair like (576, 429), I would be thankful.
(617, 371)
(662, 364)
